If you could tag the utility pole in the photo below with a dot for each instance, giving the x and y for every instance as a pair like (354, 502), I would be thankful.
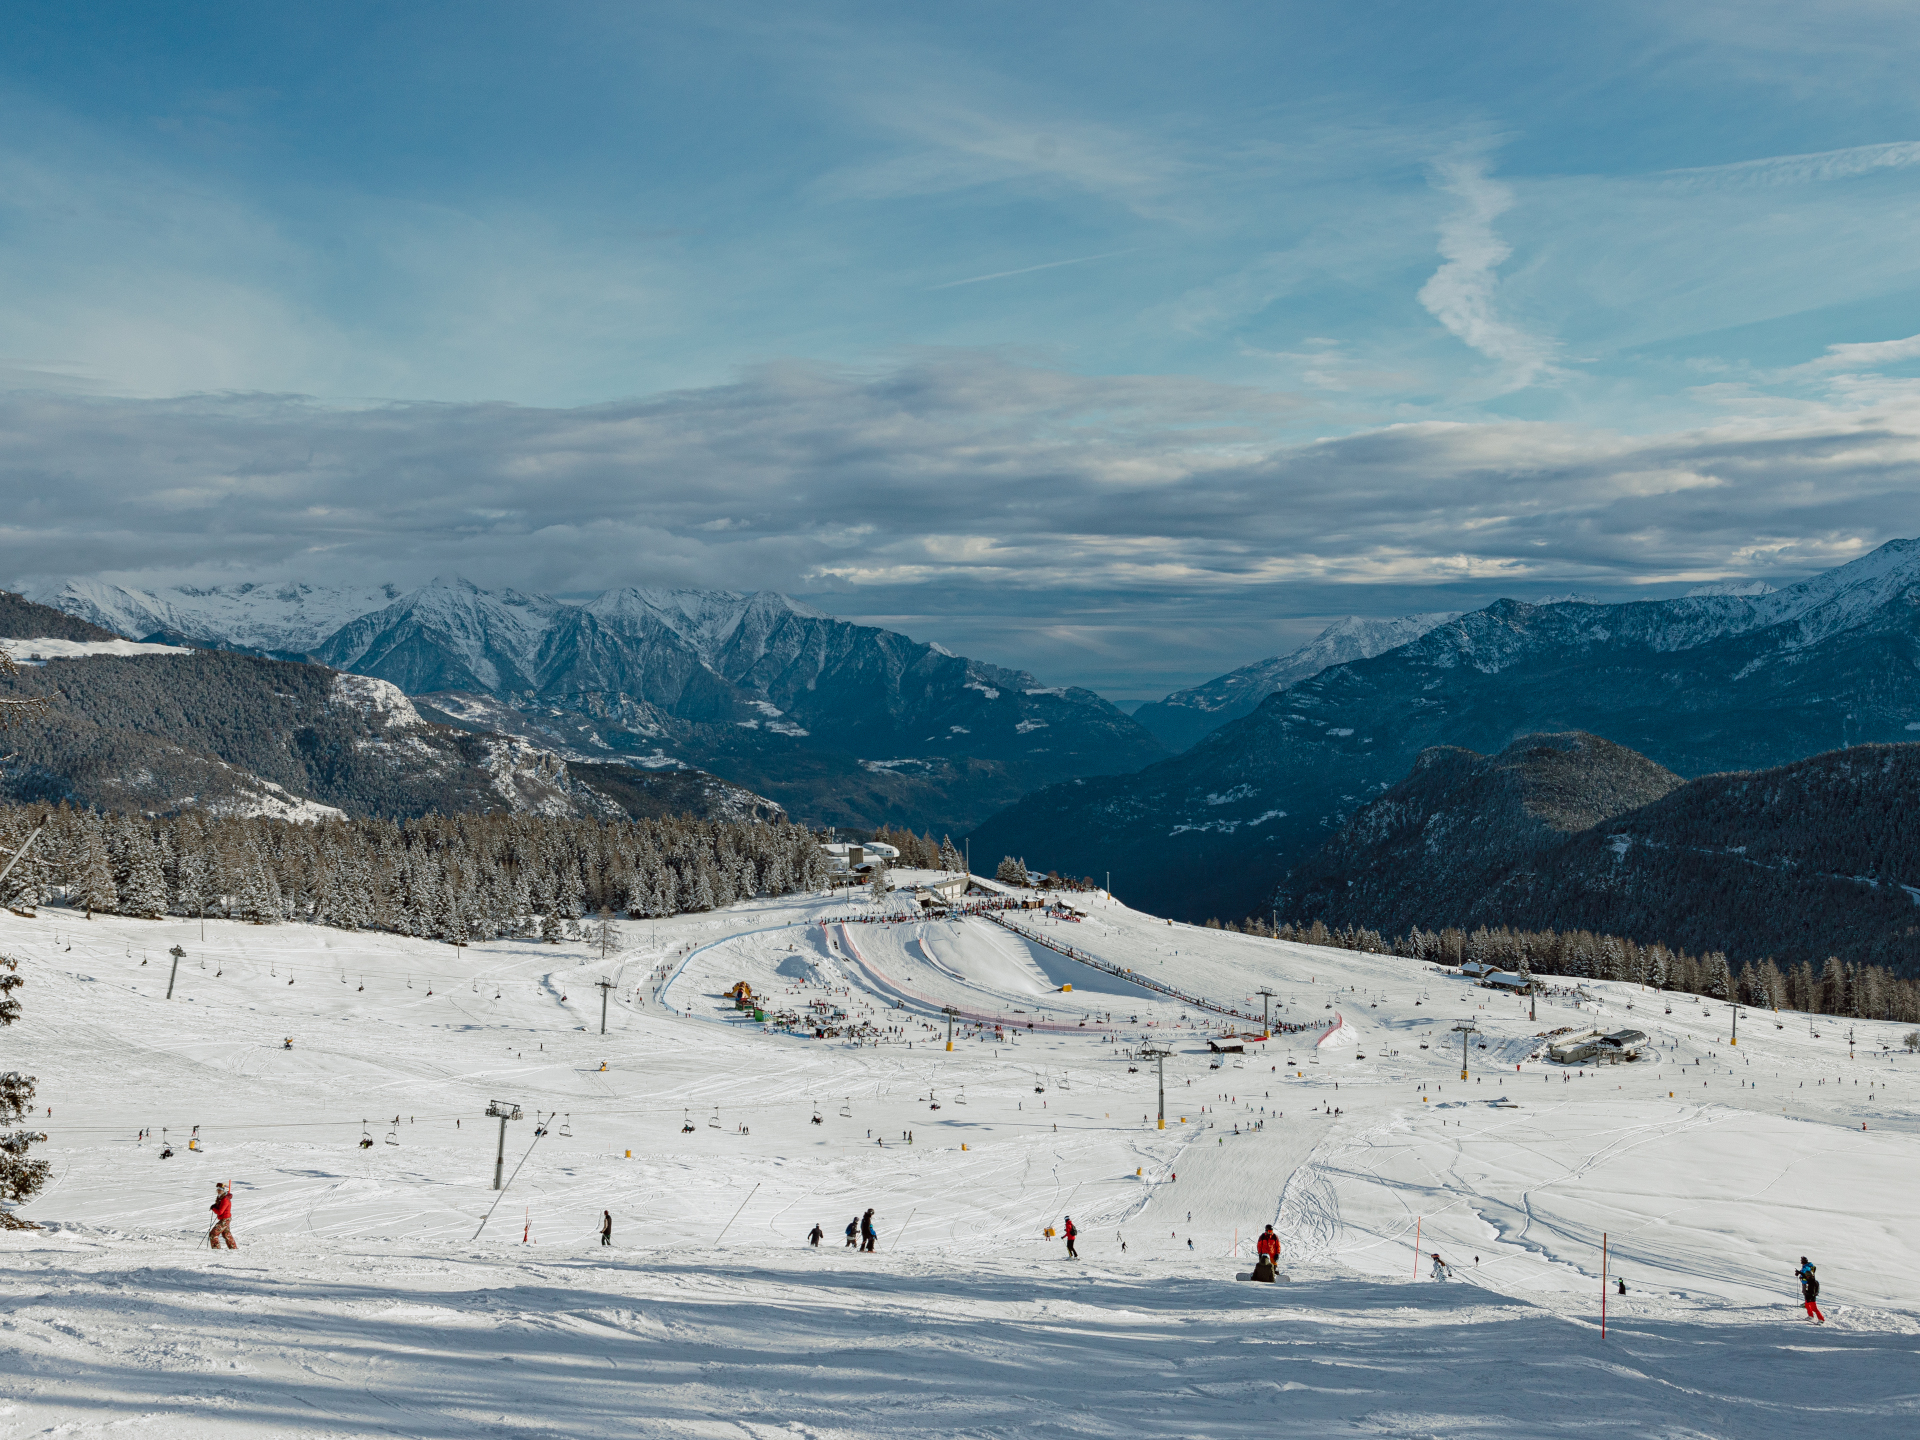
(1266, 1021)
(1465, 1028)
(949, 1012)
(505, 1112)
(604, 985)
(1735, 1008)
(178, 955)
(1159, 1057)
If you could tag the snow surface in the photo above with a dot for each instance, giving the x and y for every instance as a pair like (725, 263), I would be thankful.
(361, 1302)
(32, 651)
(284, 615)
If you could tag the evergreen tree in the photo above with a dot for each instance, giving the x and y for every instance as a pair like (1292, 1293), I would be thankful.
(20, 1174)
(92, 887)
(1011, 871)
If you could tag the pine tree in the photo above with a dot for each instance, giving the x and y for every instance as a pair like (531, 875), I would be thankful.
(93, 887)
(1011, 871)
(949, 857)
(20, 1174)
(142, 885)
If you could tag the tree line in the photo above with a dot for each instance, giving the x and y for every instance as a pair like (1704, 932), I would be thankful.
(443, 877)
(1839, 987)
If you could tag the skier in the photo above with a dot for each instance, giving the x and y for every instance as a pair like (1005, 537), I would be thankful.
(1072, 1235)
(606, 1227)
(868, 1235)
(222, 1209)
(1810, 1290)
(1269, 1245)
(816, 1235)
(853, 1231)
(1439, 1266)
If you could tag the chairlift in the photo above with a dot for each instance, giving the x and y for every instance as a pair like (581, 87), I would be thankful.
(393, 1135)
(363, 984)
(686, 1123)
(961, 1098)
(366, 1136)
(713, 1121)
(566, 1126)
(846, 1110)
(496, 993)
(818, 1118)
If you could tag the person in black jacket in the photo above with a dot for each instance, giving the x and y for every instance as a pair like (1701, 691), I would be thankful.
(853, 1233)
(816, 1235)
(867, 1233)
(1810, 1290)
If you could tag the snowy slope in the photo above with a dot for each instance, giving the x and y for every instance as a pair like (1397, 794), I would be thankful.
(362, 1303)
(285, 616)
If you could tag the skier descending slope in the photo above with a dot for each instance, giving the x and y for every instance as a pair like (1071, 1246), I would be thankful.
(222, 1209)
(1440, 1271)
(815, 1236)
(1072, 1235)
(1810, 1290)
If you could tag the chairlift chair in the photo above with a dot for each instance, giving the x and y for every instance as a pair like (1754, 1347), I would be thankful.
(393, 1135)
(366, 1136)
(961, 1098)
(713, 1121)
(566, 1126)
(686, 1123)
(846, 1110)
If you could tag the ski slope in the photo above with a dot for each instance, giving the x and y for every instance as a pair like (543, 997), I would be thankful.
(363, 1303)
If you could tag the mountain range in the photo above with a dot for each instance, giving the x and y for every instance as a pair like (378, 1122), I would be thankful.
(155, 728)
(840, 723)
(1697, 684)
(1186, 715)
(1795, 863)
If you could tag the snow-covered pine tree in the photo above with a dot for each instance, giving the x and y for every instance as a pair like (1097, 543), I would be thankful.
(92, 884)
(141, 882)
(949, 857)
(20, 1174)
(1011, 871)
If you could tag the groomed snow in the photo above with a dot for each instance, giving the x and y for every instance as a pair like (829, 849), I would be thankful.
(360, 1302)
(31, 651)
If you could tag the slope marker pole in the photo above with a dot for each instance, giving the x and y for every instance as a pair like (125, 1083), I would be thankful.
(736, 1215)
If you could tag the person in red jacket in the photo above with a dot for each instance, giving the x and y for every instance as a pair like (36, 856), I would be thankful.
(1072, 1235)
(222, 1209)
(1269, 1245)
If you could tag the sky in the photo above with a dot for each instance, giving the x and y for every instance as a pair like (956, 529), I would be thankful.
(1125, 343)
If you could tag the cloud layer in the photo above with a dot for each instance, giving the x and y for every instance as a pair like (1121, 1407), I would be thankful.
(1081, 525)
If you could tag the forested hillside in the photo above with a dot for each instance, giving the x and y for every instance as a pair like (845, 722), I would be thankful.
(1798, 863)
(242, 735)
(445, 877)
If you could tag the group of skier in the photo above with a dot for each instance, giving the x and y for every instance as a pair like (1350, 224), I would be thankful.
(860, 1233)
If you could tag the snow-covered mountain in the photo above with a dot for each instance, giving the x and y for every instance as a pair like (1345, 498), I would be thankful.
(1699, 684)
(284, 617)
(842, 723)
(1185, 715)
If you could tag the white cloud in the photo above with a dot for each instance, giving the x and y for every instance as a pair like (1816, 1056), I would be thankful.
(1461, 294)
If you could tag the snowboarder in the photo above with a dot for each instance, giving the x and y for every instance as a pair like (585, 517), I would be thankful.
(222, 1209)
(853, 1231)
(606, 1227)
(1269, 1246)
(1810, 1290)
(868, 1235)
(1072, 1235)
(1439, 1266)
(816, 1235)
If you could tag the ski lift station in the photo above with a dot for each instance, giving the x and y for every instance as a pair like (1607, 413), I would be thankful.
(1597, 1046)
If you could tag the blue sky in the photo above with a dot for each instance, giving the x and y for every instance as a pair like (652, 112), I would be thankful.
(1129, 343)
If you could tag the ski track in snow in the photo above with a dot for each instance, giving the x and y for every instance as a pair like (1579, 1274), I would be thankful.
(362, 1304)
